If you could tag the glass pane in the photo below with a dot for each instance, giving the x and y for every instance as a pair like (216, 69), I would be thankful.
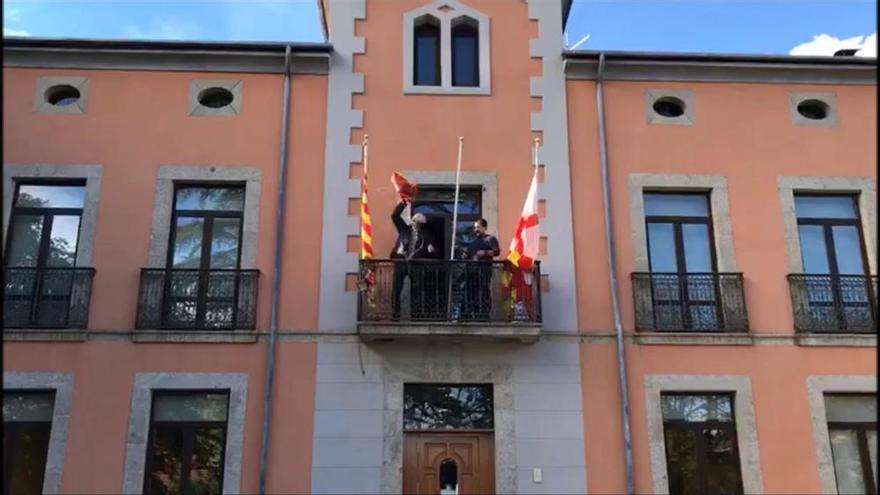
(427, 54)
(697, 251)
(465, 56)
(224, 242)
(29, 464)
(62, 245)
(825, 206)
(676, 205)
(206, 472)
(848, 250)
(872, 450)
(210, 198)
(722, 466)
(188, 242)
(28, 406)
(851, 408)
(661, 241)
(697, 408)
(37, 196)
(814, 253)
(847, 463)
(165, 461)
(427, 407)
(25, 245)
(199, 406)
(681, 462)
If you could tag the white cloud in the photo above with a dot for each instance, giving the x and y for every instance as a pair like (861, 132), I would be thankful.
(825, 44)
(165, 29)
(12, 15)
(15, 32)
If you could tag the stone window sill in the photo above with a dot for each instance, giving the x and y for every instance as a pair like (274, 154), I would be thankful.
(694, 338)
(836, 339)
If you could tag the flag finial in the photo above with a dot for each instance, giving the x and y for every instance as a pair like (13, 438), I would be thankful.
(366, 138)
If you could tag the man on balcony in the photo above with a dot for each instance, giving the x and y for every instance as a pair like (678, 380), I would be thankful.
(427, 280)
(478, 276)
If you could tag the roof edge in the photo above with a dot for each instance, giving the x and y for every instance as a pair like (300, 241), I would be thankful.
(716, 57)
(164, 45)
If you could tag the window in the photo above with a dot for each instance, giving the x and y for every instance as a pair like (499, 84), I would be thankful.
(446, 50)
(43, 287)
(681, 261)
(27, 423)
(437, 204)
(701, 443)
(426, 55)
(852, 428)
(438, 407)
(187, 442)
(58, 95)
(835, 285)
(813, 109)
(214, 97)
(465, 52)
(669, 106)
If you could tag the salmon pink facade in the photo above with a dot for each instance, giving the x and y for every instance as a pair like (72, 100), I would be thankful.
(185, 309)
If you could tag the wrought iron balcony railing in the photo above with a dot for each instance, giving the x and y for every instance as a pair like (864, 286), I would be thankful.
(46, 297)
(834, 303)
(689, 302)
(448, 291)
(192, 299)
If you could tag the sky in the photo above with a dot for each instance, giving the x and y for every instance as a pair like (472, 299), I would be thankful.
(770, 27)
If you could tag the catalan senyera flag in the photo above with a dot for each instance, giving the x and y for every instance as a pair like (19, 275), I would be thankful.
(524, 245)
(366, 224)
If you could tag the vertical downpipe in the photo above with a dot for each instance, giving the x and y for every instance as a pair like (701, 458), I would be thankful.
(612, 280)
(276, 272)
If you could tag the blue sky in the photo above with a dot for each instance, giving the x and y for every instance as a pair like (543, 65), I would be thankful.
(714, 26)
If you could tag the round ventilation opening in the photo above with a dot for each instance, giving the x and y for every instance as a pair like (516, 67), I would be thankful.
(813, 109)
(669, 106)
(62, 95)
(216, 97)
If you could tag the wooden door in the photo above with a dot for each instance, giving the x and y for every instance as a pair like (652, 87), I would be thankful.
(431, 460)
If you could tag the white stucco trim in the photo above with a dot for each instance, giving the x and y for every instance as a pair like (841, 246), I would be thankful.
(864, 187)
(744, 417)
(90, 173)
(62, 385)
(139, 422)
(446, 11)
(715, 185)
(817, 387)
(169, 175)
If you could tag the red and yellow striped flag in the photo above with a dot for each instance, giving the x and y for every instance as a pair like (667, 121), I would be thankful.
(366, 225)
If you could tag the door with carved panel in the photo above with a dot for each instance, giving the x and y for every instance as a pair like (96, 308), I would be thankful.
(448, 463)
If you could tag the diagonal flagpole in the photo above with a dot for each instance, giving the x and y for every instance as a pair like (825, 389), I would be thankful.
(454, 227)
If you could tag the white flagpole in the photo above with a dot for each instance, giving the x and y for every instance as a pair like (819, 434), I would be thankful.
(455, 205)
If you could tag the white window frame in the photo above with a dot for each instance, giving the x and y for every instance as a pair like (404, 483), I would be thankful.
(744, 418)
(446, 11)
(139, 422)
(817, 387)
(62, 385)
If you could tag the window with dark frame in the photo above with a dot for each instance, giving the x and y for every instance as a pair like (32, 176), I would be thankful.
(27, 423)
(447, 407)
(681, 259)
(465, 53)
(437, 204)
(186, 446)
(837, 285)
(204, 255)
(852, 431)
(41, 249)
(426, 52)
(702, 454)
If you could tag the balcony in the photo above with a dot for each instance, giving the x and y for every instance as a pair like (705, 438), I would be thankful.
(193, 299)
(432, 298)
(46, 297)
(834, 303)
(689, 302)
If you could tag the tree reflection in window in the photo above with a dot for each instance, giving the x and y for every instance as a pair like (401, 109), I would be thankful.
(441, 407)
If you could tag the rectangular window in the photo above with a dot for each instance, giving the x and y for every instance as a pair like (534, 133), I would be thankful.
(27, 422)
(426, 53)
(437, 204)
(835, 281)
(187, 442)
(701, 446)
(443, 407)
(852, 428)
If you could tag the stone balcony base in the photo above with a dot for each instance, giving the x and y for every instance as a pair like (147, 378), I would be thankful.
(448, 331)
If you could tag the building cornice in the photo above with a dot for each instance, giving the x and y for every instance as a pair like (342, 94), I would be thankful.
(307, 58)
(639, 66)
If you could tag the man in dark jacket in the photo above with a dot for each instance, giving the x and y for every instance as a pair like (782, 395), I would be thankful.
(427, 280)
(478, 276)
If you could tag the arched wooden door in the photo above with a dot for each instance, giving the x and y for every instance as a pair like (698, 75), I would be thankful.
(445, 463)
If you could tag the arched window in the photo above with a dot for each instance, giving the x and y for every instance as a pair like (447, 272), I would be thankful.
(465, 52)
(426, 55)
